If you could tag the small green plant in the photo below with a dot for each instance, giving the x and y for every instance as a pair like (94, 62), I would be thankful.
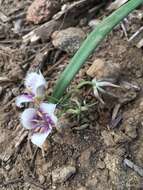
(76, 108)
(98, 87)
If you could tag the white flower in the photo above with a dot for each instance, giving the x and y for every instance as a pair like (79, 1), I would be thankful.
(35, 85)
(40, 122)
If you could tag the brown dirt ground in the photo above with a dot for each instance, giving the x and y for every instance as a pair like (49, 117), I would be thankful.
(96, 151)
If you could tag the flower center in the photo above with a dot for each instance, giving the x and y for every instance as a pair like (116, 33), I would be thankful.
(42, 122)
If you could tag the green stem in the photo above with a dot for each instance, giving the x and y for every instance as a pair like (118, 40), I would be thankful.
(84, 83)
(89, 45)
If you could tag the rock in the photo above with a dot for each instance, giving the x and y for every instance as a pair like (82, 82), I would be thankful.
(127, 95)
(42, 10)
(93, 23)
(62, 174)
(15, 91)
(111, 138)
(120, 137)
(108, 138)
(54, 187)
(41, 179)
(84, 159)
(8, 167)
(101, 69)
(101, 165)
(91, 183)
(68, 40)
(17, 26)
(26, 186)
(121, 49)
(46, 166)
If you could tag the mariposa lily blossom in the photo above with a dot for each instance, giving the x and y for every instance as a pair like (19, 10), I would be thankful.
(98, 87)
(40, 122)
(35, 89)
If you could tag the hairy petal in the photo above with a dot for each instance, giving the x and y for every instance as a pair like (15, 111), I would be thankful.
(39, 138)
(36, 83)
(49, 109)
(23, 99)
(27, 117)
(40, 91)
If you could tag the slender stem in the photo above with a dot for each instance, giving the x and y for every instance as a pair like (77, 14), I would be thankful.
(89, 45)
(84, 83)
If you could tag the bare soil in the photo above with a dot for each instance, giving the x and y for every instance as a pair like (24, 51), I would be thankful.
(96, 151)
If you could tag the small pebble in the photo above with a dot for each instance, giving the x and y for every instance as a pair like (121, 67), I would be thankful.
(15, 91)
(42, 10)
(101, 164)
(68, 40)
(92, 183)
(108, 138)
(93, 23)
(8, 167)
(42, 179)
(104, 69)
(54, 187)
(62, 174)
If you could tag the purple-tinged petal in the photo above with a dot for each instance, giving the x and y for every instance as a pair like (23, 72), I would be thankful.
(40, 91)
(35, 83)
(27, 118)
(49, 109)
(39, 138)
(23, 99)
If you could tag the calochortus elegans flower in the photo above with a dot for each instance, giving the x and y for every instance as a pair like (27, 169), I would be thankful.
(40, 119)
(35, 89)
(40, 122)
